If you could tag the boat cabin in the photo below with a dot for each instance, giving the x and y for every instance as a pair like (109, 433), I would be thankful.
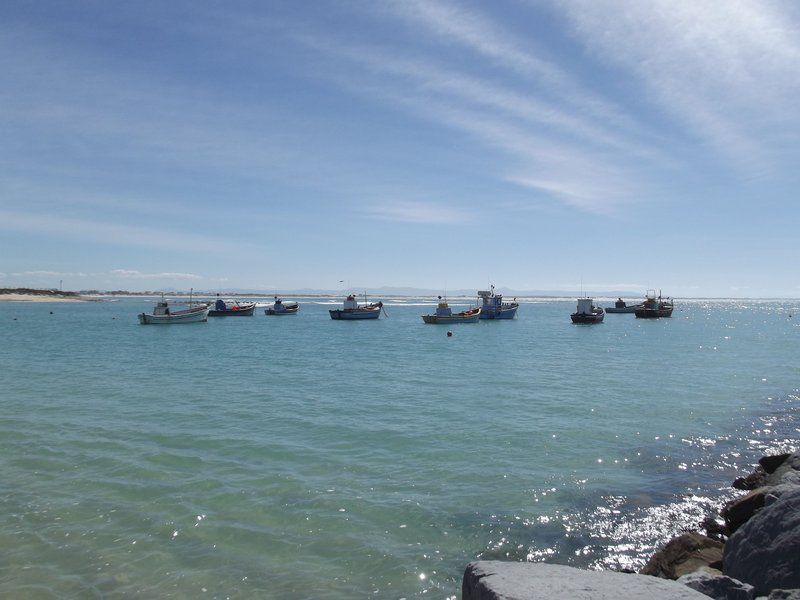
(350, 303)
(490, 299)
(443, 309)
(585, 306)
(162, 308)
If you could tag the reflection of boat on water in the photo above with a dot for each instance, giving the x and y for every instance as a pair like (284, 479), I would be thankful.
(352, 311)
(445, 315)
(587, 312)
(279, 307)
(621, 307)
(162, 315)
(494, 308)
(654, 307)
(232, 308)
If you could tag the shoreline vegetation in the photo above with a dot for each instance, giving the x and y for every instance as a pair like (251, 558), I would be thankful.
(749, 550)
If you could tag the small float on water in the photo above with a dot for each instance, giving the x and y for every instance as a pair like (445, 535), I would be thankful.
(621, 307)
(163, 315)
(445, 315)
(352, 311)
(654, 307)
(232, 308)
(493, 306)
(587, 312)
(279, 307)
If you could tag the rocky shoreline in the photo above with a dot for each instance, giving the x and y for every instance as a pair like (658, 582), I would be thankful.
(750, 550)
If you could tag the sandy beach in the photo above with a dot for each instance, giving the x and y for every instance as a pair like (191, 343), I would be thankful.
(37, 298)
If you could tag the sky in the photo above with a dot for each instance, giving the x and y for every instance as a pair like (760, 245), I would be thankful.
(533, 144)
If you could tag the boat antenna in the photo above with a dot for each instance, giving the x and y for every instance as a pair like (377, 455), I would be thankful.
(191, 291)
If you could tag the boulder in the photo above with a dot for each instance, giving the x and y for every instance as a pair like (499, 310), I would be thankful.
(719, 587)
(497, 580)
(784, 595)
(738, 511)
(683, 555)
(770, 463)
(756, 479)
(787, 468)
(765, 551)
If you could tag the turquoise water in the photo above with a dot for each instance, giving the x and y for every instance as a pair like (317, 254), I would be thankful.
(299, 457)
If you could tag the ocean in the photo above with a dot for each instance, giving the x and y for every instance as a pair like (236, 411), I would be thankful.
(300, 457)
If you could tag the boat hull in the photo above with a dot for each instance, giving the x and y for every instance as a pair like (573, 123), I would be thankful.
(276, 313)
(653, 313)
(625, 310)
(437, 320)
(467, 316)
(359, 314)
(503, 313)
(587, 319)
(191, 316)
(247, 311)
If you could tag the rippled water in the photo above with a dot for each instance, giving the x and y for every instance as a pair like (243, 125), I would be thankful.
(299, 457)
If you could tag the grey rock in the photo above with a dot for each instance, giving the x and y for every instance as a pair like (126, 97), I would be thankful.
(784, 595)
(792, 463)
(738, 511)
(497, 580)
(719, 587)
(756, 479)
(776, 492)
(682, 555)
(765, 551)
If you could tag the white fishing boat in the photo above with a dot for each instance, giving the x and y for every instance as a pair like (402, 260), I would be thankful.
(353, 311)
(587, 312)
(163, 315)
(279, 307)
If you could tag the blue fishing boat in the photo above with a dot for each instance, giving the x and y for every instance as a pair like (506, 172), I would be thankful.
(232, 308)
(493, 306)
(444, 315)
(352, 311)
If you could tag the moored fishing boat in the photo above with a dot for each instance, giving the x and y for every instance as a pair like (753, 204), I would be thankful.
(654, 307)
(279, 307)
(232, 308)
(162, 315)
(444, 315)
(621, 307)
(587, 312)
(493, 306)
(352, 311)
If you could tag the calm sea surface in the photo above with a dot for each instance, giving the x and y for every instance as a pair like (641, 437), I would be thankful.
(300, 457)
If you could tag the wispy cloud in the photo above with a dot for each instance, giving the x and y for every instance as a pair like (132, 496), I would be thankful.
(49, 274)
(544, 143)
(451, 23)
(116, 234)
(419, 212)
(133, 274)
(727, 70)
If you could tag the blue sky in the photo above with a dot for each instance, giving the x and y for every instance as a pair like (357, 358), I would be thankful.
(434, 144)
